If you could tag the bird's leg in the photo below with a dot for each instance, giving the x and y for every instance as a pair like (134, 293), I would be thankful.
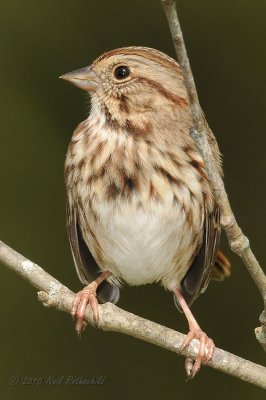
(206, 345)
(87, 296)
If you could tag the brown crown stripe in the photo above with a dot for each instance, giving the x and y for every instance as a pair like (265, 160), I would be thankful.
(179, 101)
(151, 54)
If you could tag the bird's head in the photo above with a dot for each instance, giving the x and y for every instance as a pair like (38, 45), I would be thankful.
(133, 86)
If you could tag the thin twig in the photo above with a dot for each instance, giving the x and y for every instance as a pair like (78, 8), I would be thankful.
(52, 293)
(239, 243)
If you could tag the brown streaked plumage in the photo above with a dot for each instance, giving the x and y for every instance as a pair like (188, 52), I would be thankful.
(139, 203)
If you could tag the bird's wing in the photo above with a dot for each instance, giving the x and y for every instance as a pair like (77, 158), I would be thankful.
(86, 267)
(198, 276)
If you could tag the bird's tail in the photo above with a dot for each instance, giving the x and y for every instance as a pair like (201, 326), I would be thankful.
(222, 267)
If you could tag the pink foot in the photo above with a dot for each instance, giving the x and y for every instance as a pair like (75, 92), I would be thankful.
(82, 299)
(206, 345)
(206, 349)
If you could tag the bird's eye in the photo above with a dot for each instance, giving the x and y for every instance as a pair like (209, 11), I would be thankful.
(122, 72)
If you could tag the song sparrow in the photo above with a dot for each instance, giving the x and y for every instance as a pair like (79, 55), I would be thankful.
(139, 200)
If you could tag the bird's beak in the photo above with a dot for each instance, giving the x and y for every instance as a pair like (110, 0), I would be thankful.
(84, 78)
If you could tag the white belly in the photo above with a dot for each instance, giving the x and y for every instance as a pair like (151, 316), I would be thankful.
(144, 247)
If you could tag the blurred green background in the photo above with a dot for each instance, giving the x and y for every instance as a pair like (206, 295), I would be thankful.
(41, 40)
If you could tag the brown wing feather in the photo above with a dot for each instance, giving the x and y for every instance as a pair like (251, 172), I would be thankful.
(198, 276)
(86, 267)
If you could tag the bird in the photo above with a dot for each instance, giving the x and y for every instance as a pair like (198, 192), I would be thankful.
(140, 206)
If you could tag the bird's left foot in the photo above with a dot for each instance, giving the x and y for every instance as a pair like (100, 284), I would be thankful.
(206, 345)
(205, 353)
(82, 299)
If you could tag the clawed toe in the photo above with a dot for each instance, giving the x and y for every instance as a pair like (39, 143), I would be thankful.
(205, 353)
(206, 345)
(81, 300)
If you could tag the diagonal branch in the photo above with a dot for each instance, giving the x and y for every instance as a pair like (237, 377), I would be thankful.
(52, 293)
(239, 243)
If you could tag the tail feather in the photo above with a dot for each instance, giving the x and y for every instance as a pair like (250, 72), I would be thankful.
(222, 267)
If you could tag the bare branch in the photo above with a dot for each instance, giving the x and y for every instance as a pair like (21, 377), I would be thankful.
(52, 293)
(239, 243)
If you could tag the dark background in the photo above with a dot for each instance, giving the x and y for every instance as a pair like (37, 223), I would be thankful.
(40, 40)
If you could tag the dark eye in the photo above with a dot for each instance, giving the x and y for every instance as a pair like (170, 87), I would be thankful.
(122, 72)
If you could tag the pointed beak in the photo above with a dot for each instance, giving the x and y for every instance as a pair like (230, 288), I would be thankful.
(84, 78)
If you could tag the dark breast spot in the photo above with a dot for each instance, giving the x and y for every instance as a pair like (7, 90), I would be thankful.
(165, 174)
(153, 194)
(130, 184)
(111, 122)
(176, 203)
(189, 217)
(81, 163)
(112, 191)
(98, 151)
(69, 169)
(195, 164)
(199, 167)
(137, 131)
(187, 149)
